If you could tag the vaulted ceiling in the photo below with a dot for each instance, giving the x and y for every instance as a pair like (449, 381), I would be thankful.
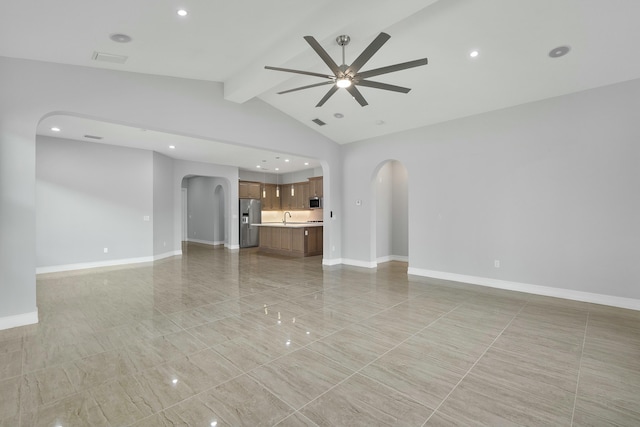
(232, 41)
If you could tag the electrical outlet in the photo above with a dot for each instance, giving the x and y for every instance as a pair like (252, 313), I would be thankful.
(496, 263)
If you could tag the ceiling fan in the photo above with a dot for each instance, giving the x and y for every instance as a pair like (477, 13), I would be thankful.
(349, 77)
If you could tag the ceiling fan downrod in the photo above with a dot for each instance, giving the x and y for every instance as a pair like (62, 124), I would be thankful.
(343, 40)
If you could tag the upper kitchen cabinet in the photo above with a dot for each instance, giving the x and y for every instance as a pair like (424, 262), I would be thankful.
(270, 197)
(287, 201)
(315, 186)
(249, 190)
(302, 195)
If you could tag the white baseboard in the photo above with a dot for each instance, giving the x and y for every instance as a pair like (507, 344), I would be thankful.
(392, 258)
(330, 262)
(95, 264)
(23, 319)
(206, 242)
(622, 302)
(232, 247)
(357, 263)
(167, 255)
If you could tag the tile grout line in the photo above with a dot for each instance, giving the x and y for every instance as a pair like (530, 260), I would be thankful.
(475, 363)
(575, 396)
(374, 360)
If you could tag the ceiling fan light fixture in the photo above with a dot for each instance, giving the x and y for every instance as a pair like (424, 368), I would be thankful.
(343, 82)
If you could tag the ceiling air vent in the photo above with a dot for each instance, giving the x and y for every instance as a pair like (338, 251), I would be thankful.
(93, 137)
(318, 122)
(109, 57)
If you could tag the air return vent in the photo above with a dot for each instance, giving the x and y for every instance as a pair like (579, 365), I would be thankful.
(93, 137)
(318, 122)
(109, 57)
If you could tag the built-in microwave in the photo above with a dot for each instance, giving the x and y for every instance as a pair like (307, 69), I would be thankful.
(315, 202)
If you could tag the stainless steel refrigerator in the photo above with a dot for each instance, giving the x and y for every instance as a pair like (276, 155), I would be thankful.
(250, 213)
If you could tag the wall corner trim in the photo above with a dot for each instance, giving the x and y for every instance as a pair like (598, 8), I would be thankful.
(357, 263)
(388, 258)
(570, 294)
(167, 255)
(16, 320)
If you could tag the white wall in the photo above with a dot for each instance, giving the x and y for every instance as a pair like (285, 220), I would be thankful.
(31, 90)
(549, 188)
(89, 197)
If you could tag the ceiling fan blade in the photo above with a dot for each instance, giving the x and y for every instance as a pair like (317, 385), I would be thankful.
(357, 95)
(306, 73)
(384, 86)
(306, 87)
(366, 54)
(323, 54)
(324, 99)
(392, 68)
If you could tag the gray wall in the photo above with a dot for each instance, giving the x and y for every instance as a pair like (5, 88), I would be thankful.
(163, 202)
(205, 201)
(549, 188)
(89, 197)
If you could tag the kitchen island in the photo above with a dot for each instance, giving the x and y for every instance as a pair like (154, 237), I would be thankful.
(291, 238)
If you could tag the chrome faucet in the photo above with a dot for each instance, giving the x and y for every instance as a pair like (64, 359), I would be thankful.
(284, 217)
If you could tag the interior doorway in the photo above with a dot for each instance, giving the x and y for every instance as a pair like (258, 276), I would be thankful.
(204, 215)
(391, 212)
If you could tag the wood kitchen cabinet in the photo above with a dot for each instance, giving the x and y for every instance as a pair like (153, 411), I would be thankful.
(249, 190)
(287, 201)
(292, 241)
(270, 200)
(301, 196)
(316, 186)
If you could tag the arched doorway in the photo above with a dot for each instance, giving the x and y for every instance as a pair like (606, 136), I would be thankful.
(205, 210)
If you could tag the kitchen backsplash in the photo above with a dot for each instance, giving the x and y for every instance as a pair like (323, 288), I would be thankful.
(296, 216)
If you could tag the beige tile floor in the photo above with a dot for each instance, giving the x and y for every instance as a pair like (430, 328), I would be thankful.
(217, 338)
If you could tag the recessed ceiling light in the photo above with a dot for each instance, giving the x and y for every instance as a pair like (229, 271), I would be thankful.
(55, 129)
(120, 38)
(277, 169)
(559, 51)
(306, 163)
(338, 115)
(474, 53)
(182, 12)
(286, 160)
(173, 147)
(258, 166)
